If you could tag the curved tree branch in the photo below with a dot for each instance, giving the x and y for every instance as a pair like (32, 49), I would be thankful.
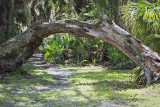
(105, 30)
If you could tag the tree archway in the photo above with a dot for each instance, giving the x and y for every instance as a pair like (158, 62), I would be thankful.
(105, 30)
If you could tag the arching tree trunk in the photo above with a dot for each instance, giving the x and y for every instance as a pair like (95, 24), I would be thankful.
(105, 30)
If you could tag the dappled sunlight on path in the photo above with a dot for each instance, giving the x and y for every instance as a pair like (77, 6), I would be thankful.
(63, 86)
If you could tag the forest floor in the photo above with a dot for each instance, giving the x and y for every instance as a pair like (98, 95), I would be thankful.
(73, 86)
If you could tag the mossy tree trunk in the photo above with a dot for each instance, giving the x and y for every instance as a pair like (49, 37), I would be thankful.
(105, 30)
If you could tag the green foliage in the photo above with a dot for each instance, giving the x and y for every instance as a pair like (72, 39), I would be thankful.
(94, 62)
(54, 1)
(18, 71)
(117, 58)
(142, 18)
(53, 48)
(62, 48)
(115, 55)
(82, 63)
(138, 76)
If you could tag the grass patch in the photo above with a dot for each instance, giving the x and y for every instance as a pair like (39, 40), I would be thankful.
(88, 87)
(114, 86)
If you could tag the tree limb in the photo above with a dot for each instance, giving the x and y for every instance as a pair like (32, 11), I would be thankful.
(105, 30)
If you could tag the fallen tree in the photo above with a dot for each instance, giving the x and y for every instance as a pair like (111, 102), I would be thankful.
(105, 30)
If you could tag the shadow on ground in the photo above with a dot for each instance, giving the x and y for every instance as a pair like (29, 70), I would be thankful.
(50, 86)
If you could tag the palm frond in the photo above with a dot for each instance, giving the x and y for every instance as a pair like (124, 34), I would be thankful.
(138, 75)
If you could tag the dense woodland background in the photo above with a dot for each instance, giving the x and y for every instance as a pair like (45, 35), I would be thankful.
(69, 70)
(140, 17)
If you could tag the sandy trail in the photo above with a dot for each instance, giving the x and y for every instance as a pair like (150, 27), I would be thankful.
(61, 76)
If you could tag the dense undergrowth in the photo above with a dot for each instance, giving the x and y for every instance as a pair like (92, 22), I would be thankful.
(67, 49)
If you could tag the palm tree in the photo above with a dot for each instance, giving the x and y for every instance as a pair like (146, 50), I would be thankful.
(142, 18)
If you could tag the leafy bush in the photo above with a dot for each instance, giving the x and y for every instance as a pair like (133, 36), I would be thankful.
(53, 48)
(118, 59)
(63, 48)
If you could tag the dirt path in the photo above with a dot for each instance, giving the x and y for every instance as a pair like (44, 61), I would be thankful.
(62, 83)
(60, 75)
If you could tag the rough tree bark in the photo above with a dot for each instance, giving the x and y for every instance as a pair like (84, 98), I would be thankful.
(105, 30)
